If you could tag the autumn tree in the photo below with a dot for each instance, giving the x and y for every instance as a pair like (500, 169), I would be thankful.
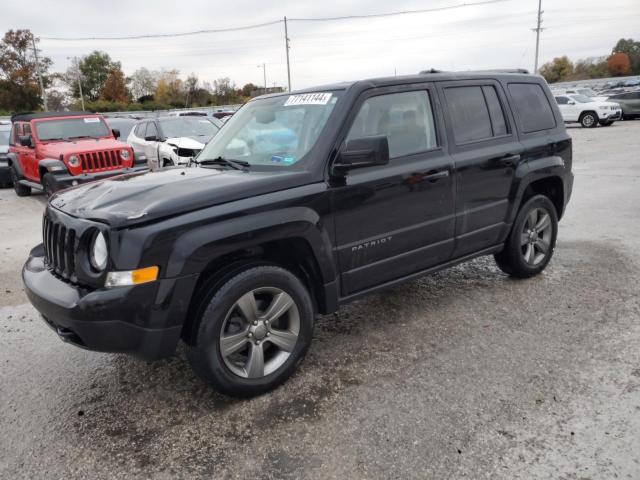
(618, 64)
(19, 88)
(593, 67)
(247, 89)
(632, 49)
(169, 89)
(558, 69)
(114, 88)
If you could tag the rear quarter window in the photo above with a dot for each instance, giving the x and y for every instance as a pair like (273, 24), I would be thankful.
(532, 107)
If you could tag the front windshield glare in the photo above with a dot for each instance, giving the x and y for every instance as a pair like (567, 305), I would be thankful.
(276, 131)
(187, 127)
(91, 127)
(582, 98)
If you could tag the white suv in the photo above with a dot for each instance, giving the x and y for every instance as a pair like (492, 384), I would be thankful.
(587, 111)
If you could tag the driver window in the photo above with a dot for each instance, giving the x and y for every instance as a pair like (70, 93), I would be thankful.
(406, 119)
(152, 131)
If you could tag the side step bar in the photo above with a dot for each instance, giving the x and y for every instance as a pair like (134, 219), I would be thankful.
(27, 183)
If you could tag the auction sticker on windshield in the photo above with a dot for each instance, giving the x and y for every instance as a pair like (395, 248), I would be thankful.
(308, 99)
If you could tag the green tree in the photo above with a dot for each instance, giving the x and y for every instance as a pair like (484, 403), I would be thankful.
(593, 67)
(248, 88)
(19, 88)
(557, 70)
(632, 49)
(94, 70)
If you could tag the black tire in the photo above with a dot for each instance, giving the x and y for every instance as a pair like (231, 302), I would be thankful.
(216, 309)
(589, 119)
(48, 185)
(511, 259)
(167, 163)
(21, 190)
(606, 123)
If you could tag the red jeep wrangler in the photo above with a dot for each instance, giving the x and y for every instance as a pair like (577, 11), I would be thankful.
(55, 150)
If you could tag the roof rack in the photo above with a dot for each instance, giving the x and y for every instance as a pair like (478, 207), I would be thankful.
(493, 70)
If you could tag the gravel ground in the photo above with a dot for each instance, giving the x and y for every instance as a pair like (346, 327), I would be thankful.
(463, 374)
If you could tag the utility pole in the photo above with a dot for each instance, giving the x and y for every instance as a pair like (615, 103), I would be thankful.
(264, 72)
(35, 54)
(287, 48)
(538, 30)
(77, 68)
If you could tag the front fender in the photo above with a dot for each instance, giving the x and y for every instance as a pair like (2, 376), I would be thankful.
(53, 166)
(197, 248)
(13, 160)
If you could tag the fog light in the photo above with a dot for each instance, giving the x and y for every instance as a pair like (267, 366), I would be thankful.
(133, 277)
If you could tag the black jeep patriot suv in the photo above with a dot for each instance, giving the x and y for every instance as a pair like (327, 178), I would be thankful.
(303, 202)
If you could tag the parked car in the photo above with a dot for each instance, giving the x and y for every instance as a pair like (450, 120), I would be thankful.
(629, 102)
(187, 113)
(387, 180)
(5, 174)
(587, 111)
(124, 125)
(170, 141)
(55, 150)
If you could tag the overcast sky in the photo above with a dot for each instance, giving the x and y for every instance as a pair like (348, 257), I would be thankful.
(475, 37)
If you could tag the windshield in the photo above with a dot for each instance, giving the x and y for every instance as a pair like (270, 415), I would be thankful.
(4, 137)
(187, 127)
(275, 131)
(582, 98)
(63, 129)
(587, 92)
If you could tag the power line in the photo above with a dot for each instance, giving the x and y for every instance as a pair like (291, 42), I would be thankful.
(275, 22)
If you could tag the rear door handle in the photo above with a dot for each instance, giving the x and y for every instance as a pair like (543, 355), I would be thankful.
(437, 176)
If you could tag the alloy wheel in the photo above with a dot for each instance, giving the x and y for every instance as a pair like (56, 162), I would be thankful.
(535, 239)
(259, 332)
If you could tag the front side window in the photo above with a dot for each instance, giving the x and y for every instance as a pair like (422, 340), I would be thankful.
(406, 119)
(532, 107)
(562, 100)
(274, 131)
(70, 128)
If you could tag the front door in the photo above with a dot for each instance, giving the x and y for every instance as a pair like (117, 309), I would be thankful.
(486, 153)
(397, 219)
(569, 108)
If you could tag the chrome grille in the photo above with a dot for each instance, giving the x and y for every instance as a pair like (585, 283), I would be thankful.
(100, 161)
(59, 248)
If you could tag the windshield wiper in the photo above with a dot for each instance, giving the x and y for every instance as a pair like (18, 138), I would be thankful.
(226, 162)
(80, 136)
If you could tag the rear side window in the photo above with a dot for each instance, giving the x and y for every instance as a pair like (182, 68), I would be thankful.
(469, 114)
(404, 118)
(532, 106)
(495, 110)
(16, 131)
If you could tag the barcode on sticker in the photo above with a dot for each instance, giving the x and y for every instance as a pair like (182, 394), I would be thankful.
(91, 120)
(308, 99)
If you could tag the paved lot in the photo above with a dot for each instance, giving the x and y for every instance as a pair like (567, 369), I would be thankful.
(463, 374)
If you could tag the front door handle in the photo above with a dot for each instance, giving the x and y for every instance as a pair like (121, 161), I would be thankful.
(436, 176)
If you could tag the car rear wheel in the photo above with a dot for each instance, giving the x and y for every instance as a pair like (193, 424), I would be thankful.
(532, 239)
(253, 331)
(589, 120)
(21, 190)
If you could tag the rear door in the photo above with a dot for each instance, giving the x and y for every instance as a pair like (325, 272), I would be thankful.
(151, 146)
(396, 219)
(486, 153)
(26, 155)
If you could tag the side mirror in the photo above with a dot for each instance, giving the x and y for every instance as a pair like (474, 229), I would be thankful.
(361, 153)
(571, 102)
(116, 132)
(151, 138)
(25, 140)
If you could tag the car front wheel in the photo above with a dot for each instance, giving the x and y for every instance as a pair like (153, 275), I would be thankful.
(253, 330)
(589, 120)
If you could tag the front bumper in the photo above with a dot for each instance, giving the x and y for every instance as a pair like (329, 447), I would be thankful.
(66, 180)
(144, 320)
(611, 115)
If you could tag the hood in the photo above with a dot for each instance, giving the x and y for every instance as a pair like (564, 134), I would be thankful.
(86, 145)
(609, 104)
(192, 143)
(143, 197)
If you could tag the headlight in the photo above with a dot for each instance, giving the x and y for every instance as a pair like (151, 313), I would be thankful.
(74, 161)
(99, 252)
(124, 154)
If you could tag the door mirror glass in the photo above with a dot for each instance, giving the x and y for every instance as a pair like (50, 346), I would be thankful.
(116, 133)
(25, 140)
(571, 102)
(361, 153)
